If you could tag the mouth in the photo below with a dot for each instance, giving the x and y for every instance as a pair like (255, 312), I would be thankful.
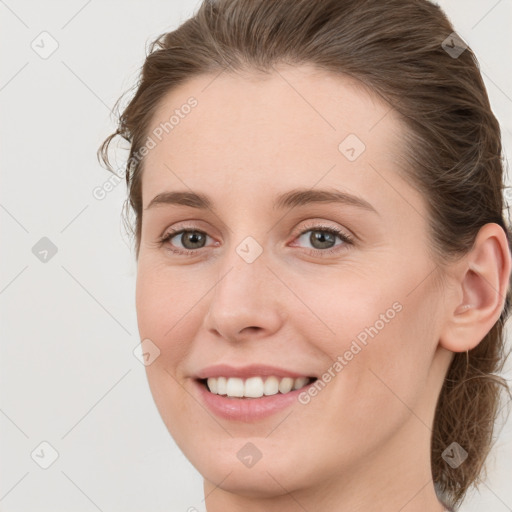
(254, 387)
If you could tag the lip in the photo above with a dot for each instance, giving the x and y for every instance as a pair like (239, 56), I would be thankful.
(247, 410)
(244, 372)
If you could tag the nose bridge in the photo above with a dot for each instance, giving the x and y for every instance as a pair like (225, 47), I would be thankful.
(244, 296)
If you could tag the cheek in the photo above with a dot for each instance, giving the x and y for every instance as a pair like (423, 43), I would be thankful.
(387, 378)
(382, 335)
(165, 305)
(161, 316)
(165, 302)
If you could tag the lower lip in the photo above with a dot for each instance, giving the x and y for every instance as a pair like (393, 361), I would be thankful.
(247, 409)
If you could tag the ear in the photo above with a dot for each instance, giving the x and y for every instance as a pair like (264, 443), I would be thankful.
(481, 284)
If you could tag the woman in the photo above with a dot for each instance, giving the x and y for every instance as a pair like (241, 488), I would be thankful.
(323, 265)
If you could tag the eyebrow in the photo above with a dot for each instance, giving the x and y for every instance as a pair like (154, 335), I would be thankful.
(291, 199)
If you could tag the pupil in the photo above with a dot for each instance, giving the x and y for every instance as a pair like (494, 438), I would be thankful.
(193, 237)
(321, 236)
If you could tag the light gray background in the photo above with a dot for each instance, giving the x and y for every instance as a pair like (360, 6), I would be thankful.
(68, 373)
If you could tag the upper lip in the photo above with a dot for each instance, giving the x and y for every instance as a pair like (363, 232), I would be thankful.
(253, 370)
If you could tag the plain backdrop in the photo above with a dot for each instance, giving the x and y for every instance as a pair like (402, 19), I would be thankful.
(69, 376)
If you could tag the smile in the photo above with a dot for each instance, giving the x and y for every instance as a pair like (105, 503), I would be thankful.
(254, 387)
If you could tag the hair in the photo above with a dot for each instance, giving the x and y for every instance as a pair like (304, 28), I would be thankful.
(453, 151)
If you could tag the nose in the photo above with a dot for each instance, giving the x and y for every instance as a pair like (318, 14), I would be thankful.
(247, 301)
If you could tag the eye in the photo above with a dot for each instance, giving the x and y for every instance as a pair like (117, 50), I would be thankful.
(323, 239)
(191, 240)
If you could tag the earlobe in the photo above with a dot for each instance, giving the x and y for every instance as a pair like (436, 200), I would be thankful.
(482, 283)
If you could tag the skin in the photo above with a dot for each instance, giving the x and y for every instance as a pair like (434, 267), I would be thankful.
(363, 443)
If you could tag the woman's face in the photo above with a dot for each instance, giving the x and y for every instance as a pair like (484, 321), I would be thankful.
(263, 283)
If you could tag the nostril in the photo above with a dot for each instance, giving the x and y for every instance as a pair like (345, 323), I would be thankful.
(252, 327)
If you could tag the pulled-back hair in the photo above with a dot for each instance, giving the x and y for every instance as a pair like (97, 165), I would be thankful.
(405, 51)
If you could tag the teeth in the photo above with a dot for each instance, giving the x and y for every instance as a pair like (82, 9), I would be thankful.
(300, 382)
(271, 386)
(221, 385)
(285, 385)
(254, 387)
(235, 387)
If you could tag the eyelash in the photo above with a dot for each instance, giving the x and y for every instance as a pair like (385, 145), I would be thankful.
(345, 238)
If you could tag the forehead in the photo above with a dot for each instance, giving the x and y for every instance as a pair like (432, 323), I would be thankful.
(282, 129)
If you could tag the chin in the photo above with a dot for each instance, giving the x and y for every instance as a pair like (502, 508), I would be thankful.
(262, 482)
(223, 463)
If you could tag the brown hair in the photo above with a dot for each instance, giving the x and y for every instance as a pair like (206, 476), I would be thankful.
(400, 49)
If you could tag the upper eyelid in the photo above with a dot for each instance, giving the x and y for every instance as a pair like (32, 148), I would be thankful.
(320, 225)
(312, 225)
